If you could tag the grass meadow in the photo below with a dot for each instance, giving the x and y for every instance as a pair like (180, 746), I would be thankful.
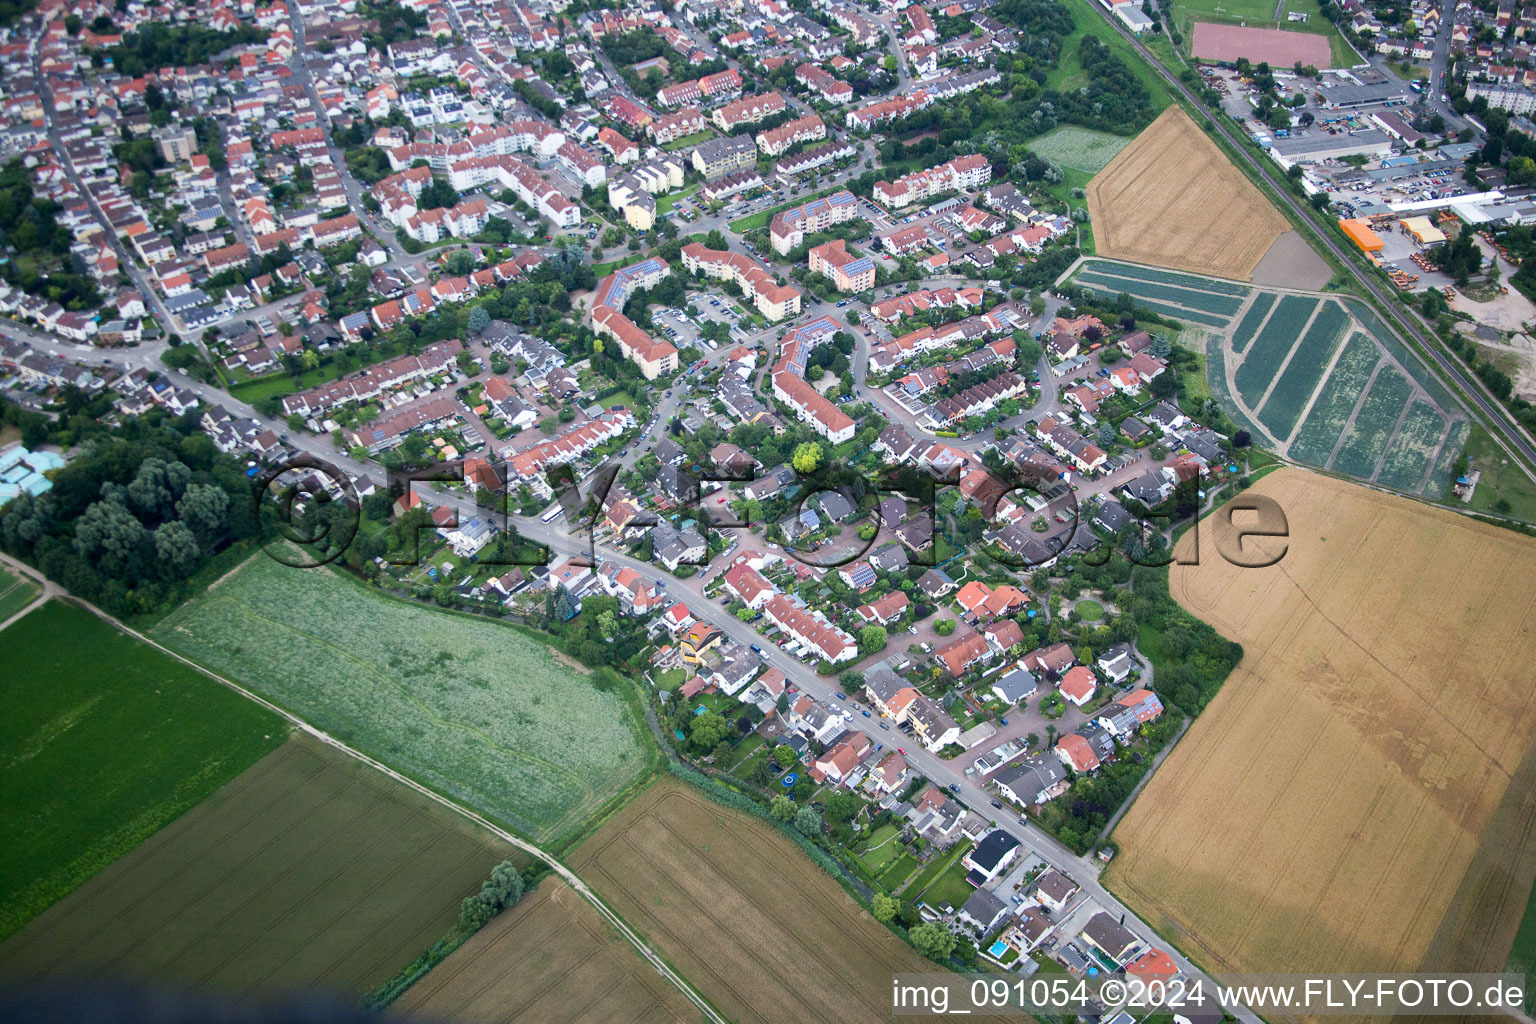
(474, 708)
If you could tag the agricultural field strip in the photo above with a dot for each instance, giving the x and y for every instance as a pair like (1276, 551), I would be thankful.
(1450, 450)
(167, 895)
(1081, 149)
(1262, 361)
(1202, 301)
(1253, 320)
(414, 701)
(1323, 422)
(558, 866)
(540, 929)
(1141, 272)
(1175, 312)
(1422, 431)
(1294, 386)
(788, 924)
(1363, 445)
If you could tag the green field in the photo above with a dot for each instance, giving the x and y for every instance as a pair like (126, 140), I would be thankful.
(309, 871)
(1206, 302)
(1309, 361)
(1252, 320)
(1136, 272)
(16, 592)
(880, 849)
(1367, 438)
(1069, 73)
(473, 708)
(1090, 610)
(1314, 443)
(105, 740)
(1263, 360)
(1413, 448)
(1081, 149)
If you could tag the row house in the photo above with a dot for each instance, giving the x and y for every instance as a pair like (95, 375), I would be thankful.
(847, 271)
(809, 128)
(773, 300)
(824, 83)
(748, 110)
(809, 160)
(374, 381)
(528, 464)
(814, 408)
(960, 174)
(654, 356)
(789, 228)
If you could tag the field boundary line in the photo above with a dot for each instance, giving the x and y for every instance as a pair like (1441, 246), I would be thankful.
(570, 877)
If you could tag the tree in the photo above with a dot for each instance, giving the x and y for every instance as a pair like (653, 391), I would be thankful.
(782, 808)
(808, 822)
(944, 627)
(871, 639)
(479, 319)
(459, 262)
(933, 940)
(807, 458)
(851, 680)
(708, 729)
(204, 508)
(784, 756)
(762, 773)
(885, 907)
(176, 548)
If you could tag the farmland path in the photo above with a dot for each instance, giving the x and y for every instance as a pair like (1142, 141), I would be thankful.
(569, 876)
(50, 589)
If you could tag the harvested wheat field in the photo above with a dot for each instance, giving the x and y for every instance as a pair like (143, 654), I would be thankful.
(741, 912)
(1173, 199)
(1359, 796)
(552, 960)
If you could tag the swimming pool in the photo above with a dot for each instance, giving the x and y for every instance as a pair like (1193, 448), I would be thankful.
(998, 948)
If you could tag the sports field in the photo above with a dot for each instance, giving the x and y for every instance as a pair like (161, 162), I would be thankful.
(471, 707)
(740, 911)
(1360, 794)
(1081, 149)
(104, 741)
(16, 592)
(1172, 199)
(310, 871)
(586, 973)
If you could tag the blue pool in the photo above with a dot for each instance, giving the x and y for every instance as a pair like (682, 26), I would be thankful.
(998, 948)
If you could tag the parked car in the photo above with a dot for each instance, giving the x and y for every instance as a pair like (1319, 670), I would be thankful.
(756, 648)
(841, 695)
(864, 713)
(998, 804)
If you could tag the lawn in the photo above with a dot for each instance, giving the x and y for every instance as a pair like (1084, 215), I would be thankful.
(1081, 149)
(1090, 610)
(309, 871)
(618, 398)
(950, 887)
(276, 385)
(744, 749)
(476, 709)
(898, 871)
(936, 867)
(753, 221)
(16, 592)
(688, 141)
(880, 849)
(105, 740)
(671, 679)
(1501, 480)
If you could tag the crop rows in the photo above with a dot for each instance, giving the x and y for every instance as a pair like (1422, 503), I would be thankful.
(1373, 425)
(1301, 376)
(1249, 325)
(1314, 443)
(1410, 362)
(1137, 272)
(1412, 449)
(1206, 302)
(1173, 312)
(1263, 360)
